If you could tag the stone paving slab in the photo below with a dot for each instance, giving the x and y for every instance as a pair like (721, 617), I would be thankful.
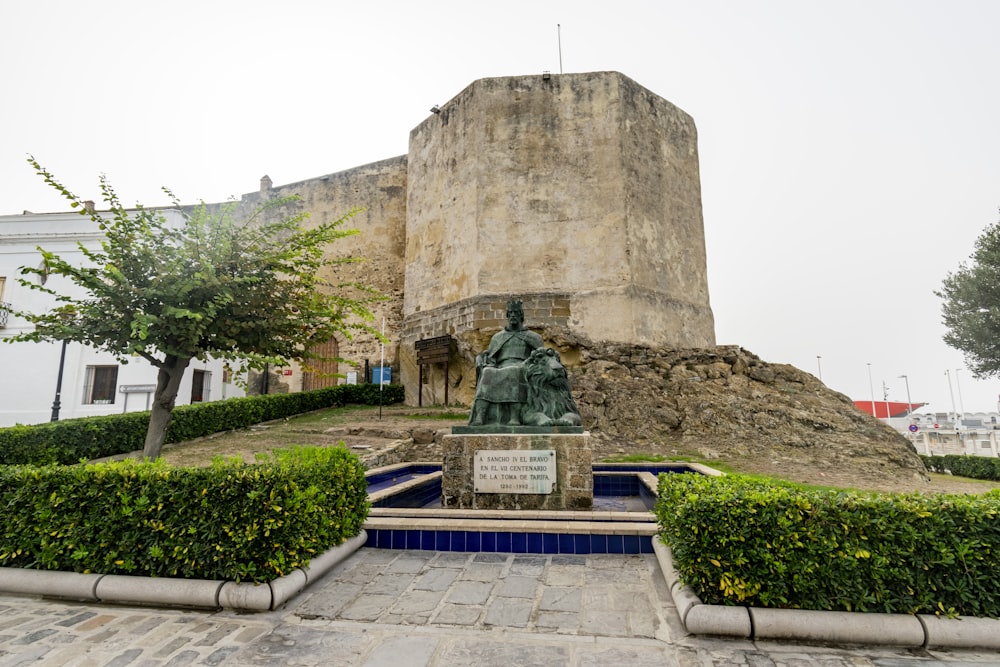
(341, 621)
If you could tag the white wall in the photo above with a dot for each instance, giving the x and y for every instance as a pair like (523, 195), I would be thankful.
(29, 370)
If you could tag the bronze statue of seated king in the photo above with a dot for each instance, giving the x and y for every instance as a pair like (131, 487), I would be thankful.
(519, 382)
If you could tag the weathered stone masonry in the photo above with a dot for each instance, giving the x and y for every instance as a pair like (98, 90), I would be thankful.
(578, 193)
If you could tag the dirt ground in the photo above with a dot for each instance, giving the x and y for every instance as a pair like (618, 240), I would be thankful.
(365, 428)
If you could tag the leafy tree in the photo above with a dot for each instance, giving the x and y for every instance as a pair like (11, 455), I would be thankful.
(971, 308)
(244, 289)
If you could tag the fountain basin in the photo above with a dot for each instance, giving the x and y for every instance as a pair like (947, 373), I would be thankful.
(407, 514)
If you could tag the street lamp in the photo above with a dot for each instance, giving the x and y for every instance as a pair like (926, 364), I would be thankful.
(57, 403)
(952, 394)
(871, 389)
(909, 403)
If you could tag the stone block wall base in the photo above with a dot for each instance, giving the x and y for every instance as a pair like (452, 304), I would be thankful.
(574, 489)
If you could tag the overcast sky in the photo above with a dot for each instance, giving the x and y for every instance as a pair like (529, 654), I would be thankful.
(850, 149)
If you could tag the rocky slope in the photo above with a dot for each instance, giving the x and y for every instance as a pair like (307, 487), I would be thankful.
(727, 404)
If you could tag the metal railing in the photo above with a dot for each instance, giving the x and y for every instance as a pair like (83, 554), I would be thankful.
(3, 313)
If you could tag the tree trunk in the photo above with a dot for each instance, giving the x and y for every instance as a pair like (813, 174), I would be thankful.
(168, 381)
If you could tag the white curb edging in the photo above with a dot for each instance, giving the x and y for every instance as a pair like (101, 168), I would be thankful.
(168, 592)
(171, 592)
(837, 627)
(49, 582)
(963, 632)
(920, 631)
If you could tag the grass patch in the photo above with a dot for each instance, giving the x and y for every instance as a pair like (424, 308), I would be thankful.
(940, 476)
(329, 414)
(453, 416)
(639, 458)
(727, 469)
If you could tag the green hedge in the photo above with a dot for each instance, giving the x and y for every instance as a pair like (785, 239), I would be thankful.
(74, 440)
(740, 541)
(231, 521)
(976, 467)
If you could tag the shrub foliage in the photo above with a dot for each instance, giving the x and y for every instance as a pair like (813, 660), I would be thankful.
(739, 541)
(231, 521)
(248, 286)
(73, 440)
(976, 467)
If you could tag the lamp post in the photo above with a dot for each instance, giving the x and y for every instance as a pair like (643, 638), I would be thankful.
(381, 372)
(909, 403)
(952, 394)
(57, 403)
(871, 389)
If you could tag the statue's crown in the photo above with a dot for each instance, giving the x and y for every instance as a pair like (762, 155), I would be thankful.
(515, 305)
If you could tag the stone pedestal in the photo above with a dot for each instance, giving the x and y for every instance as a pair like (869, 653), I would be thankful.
(521, 462)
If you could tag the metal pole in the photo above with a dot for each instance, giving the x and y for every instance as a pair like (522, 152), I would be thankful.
(381, 372)
(909, 403)
(57, 403)
(871, 388)
(819, 367)
(559, 34)
(952, 393)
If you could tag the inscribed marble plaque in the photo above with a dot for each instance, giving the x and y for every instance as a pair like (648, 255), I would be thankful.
(515, 471)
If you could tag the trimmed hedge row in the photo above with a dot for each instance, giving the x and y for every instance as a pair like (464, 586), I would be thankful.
(75, 440)
(740, 541)
(976, 467)
(231, 521)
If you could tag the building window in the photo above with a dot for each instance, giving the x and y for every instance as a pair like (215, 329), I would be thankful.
(102, 381)
(3, 312)
(200, 384)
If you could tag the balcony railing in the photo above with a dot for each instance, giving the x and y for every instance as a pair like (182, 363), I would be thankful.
(3, 313)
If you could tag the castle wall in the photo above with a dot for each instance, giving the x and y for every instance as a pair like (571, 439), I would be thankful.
(379, 188)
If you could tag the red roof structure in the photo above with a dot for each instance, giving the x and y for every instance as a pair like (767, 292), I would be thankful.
(886, 409)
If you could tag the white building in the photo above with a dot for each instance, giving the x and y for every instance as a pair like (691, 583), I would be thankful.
(93, 382)
(941, 433)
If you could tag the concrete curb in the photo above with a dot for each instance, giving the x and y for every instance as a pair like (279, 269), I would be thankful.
(161, 591)
(963, 632)
(49, 582)
(168, 592)
(838, 627)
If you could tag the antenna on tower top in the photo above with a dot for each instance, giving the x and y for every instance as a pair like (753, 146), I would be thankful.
(559, 37)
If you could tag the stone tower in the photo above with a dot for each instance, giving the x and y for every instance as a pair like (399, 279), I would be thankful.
(579, 193)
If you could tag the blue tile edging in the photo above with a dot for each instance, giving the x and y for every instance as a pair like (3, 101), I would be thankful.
(507, 542)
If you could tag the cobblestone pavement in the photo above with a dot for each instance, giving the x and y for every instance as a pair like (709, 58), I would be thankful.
(403, 608)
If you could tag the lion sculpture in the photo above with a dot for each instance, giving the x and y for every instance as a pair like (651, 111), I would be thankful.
(549, 401)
